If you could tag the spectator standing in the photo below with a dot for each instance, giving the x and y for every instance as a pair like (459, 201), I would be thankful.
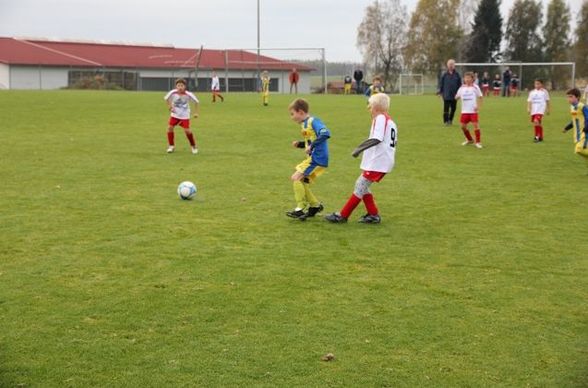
(294, 77)
(449, 84)
(358, 76)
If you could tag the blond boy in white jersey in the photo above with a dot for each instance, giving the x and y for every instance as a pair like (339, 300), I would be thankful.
(379, 151)
(538, 105)
(471, 100)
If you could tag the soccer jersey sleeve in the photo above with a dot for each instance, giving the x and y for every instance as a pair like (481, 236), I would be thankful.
(319, 128)
(478, 91)
(458, 94)
(168, 95)
(379, 128)
(192, 97)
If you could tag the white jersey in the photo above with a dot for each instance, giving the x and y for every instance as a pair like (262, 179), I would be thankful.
(180, 103)
(469, 98)
(538, 99)
(215, 84)
(381, 157)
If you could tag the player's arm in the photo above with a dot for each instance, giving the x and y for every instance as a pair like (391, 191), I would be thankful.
(547, 107)
(480, 99)
(368, 143)
(196, 109)
(196, 104)
(298, 144)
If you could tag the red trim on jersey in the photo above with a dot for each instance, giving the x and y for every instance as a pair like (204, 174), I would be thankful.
(468, 118)
(184, 123)
(537, 116)
(373, 176)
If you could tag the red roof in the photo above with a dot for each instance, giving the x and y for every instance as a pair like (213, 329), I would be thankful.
(15, 51)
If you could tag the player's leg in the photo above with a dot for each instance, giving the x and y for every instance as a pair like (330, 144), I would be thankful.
(466, 132)
(582, 147)
(190, 135)
(213, 96)
(170, 135)
(299, 195)
(538, 128)
(314, 205)
(477, 134)
(360, 189)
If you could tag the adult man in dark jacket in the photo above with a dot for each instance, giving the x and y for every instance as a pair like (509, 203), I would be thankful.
(506, 77)
(449, 83)
(358, 76)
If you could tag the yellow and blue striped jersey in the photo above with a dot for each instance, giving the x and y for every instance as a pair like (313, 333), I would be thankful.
(265, 83)
(373, 89)
(312, 129)
(579, 114)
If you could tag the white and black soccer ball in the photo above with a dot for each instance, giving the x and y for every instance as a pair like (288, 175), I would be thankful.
(186, 190)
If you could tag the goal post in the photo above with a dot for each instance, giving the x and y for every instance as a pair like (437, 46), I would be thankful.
(410, 84)
(528, 71)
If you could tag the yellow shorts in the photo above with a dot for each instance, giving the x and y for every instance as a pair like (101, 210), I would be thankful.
(306, 165)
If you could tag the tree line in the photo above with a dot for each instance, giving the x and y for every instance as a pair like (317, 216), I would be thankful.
(472, 31)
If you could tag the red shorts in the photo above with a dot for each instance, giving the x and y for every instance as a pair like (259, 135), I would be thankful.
(373, 176)
(513, 87)
(468, 118)
(485, 88)
(184, 123)
(537, 117)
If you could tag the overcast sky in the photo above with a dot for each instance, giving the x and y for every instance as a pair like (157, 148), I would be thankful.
(189, 23)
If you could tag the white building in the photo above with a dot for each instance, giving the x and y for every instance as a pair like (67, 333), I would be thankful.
(47, 64)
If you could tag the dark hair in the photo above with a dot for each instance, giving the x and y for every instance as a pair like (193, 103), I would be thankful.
(299, 104)
(180, 81)
(469, 74)
(539, 80)
(574, 92)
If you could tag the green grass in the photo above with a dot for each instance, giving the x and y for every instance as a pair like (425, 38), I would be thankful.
(476, 277)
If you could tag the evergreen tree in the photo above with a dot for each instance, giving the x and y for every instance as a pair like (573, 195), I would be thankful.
(581, 46)
(483, 43)
(433, 36)
(557, 42)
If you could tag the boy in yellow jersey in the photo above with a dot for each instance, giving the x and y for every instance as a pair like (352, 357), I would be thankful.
(579, 122)
(375, 88)
(315, 135)
(265, 84)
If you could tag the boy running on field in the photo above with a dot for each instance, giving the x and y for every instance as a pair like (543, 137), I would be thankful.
(579, 122)
(378, 159)
(471, 98)
(315, 135)
(178, 103)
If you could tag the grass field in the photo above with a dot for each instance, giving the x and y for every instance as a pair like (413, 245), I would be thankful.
(477, 276)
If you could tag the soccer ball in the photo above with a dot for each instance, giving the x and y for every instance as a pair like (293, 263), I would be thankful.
(187, 190)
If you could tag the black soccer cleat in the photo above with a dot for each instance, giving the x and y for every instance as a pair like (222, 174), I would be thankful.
(313, 211)
(296, 214)
(370, 219)
(336, 218)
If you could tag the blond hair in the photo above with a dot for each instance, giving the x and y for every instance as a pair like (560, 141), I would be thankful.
(380, 101)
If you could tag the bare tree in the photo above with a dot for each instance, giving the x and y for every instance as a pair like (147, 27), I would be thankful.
(381, 38)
